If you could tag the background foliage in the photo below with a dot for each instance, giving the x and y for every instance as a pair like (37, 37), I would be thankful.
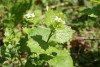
(49, 33)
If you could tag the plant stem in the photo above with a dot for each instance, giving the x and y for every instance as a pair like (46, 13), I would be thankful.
(49, 36)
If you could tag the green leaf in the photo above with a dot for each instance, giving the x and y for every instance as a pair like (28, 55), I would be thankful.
(20, 7)
(93, 11)
(23, 45)
(7, 65)
(43, 44)
(26, 30)
(61, 58)
(49, 18)
(92, 15)
(54, 19)
(34, 46)
(60, 35)
(38, 12)
(63, 35)
(61, 61)
(58, 52)
(44, 32)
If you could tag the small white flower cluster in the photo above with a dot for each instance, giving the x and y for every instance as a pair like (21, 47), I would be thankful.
(30, 15)
(59, 20)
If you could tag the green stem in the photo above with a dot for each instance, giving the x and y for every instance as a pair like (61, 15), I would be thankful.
(49, 36)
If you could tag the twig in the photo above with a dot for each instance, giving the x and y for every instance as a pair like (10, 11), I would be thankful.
(84, 38)
(92, 39)
(61, 4)
(54, 6)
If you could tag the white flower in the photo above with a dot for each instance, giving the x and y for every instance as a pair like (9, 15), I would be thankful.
(57, 19)
(30, 15)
